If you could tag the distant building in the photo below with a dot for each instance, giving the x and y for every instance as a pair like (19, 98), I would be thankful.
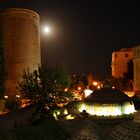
(126, 63)
(122, 63)
(136, 61)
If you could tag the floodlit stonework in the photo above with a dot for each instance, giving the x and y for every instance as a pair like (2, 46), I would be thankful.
(20, 38)
(120, 60)
(137, 69)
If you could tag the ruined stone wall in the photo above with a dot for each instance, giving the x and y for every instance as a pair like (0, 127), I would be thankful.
(20, 37)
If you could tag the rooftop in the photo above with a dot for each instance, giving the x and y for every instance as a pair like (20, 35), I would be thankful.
(108, 96)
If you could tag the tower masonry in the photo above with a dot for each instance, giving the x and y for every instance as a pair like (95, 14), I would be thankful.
(20, 38)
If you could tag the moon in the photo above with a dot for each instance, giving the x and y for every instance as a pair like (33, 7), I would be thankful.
(46, 30)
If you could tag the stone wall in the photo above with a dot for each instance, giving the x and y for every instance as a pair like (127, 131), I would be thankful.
(136, 69)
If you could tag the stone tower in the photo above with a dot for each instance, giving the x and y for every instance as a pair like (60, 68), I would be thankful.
(20, 38)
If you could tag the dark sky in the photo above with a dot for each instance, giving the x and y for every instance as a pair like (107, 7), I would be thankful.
(85, 33)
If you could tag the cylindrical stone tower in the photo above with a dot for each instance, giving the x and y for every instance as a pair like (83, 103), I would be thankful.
(20, 38)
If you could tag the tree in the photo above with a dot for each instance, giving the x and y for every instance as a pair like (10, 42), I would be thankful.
(79, 80)
(123, 84)
(46, 85)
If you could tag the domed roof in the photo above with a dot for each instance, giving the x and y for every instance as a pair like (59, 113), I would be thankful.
(107, 95)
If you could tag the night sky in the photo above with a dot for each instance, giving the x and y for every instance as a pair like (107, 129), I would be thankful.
(85, 33)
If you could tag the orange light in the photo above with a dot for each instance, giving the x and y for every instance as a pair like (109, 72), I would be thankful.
(6, 96)
(66, 89)
(113, 87)
(95, 83)
(18, 96)
(79, 88)
(98, 87)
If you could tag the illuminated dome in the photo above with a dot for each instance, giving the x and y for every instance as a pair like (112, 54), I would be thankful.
(107, 95)
(108, 102)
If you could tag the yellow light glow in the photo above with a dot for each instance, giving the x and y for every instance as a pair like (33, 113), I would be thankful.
(55, 116)
(82, 108)
(87, 92)
(65, 112)
(66, 89)
(113, 87)
(58, 112)
(98, 87)
(70, 117)
(6, 96)
(128, 108)
(95, 83)
(18, 96)
(129, 93)
(108, 109)
(79, 88)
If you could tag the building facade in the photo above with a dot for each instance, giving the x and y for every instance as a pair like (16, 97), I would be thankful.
(121, 68)
(120, 62)
(136, 61)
